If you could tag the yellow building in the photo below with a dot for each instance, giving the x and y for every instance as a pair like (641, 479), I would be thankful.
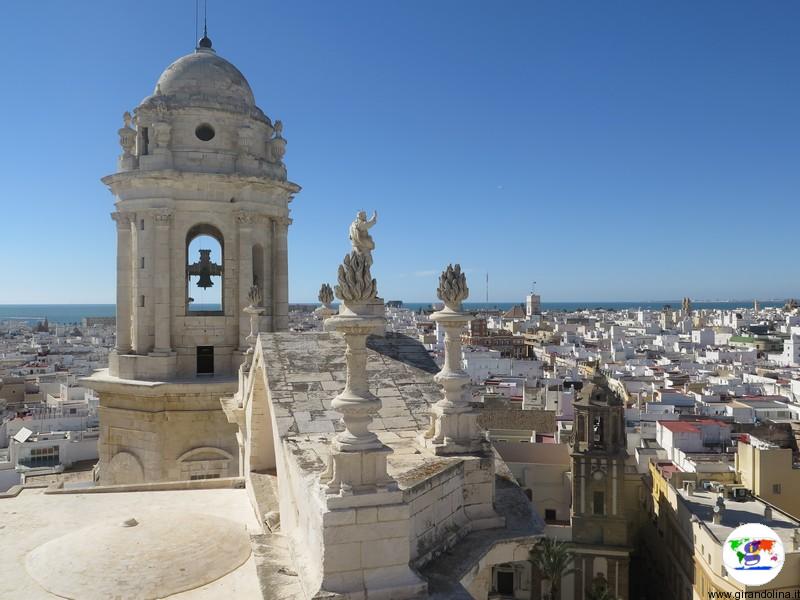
(686, 536)
(770, 473)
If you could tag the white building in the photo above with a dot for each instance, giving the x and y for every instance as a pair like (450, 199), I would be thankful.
(692, 436)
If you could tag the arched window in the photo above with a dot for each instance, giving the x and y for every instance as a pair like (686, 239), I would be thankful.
(600, 567)
(204, 273)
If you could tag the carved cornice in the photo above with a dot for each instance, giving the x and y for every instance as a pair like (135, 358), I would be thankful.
(163, 179)
(252, 218)
(162, 217)
(123, 219)
(282, 221)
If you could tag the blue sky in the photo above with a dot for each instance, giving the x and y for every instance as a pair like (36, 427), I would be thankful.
(608, 150)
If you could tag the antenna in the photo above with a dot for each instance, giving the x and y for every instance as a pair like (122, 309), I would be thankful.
(204, 42)
(196, 19)
(487, 287)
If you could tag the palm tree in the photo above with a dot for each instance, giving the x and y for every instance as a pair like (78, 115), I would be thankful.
(553, 560)
(601, 594)
(600, 590)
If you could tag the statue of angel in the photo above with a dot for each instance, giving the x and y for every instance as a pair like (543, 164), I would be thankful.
(359, 235)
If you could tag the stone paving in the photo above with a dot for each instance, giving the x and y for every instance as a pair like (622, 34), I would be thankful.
(307, 371)
(33, 518)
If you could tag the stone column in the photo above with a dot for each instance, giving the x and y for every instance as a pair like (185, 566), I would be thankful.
(267, 291)
(162, 283)
(356, 403)
(137, 285)
(280, 274)
(244, 271)
(124, 222)
(454, 422)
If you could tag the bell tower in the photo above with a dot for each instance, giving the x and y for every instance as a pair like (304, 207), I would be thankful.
(598, 518)
(202, 215)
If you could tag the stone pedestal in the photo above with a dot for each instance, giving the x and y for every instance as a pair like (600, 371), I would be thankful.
(360, 472)
(254, 312)
(374, 308)
(454, 431)
(324, 311)
(367, 549)
(127, 163)
(454, 420)
(358, 459)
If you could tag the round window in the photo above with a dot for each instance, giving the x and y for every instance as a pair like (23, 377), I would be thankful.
(204, 132)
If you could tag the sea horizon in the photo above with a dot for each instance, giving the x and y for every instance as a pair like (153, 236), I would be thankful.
(75, 313)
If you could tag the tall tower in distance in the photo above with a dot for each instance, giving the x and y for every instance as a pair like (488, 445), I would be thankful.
(533, 303)
(202, 215)
(599, 522)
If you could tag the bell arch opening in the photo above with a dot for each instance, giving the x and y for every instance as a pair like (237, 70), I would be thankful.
(205, 279)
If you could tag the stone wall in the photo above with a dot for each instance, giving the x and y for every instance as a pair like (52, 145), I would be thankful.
(436, 508)
(540, 421)
(171, 432)
(369, 542)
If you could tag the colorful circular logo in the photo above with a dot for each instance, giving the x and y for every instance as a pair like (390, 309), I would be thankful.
(753, 554)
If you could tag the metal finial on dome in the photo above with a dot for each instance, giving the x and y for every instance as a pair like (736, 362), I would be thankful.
(205, 41)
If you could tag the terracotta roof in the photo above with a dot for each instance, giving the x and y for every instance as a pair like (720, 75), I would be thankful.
(515, 312)
(679, 426)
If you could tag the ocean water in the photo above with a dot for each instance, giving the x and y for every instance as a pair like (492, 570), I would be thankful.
(73, 313)
(55, 313)
(573, 306)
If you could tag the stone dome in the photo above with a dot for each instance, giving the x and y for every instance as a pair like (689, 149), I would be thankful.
(203, 79)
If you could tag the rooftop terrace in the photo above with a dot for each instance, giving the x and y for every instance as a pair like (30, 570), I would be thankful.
(701, 504)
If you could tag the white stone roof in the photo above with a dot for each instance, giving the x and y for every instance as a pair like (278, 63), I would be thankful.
(306, 371)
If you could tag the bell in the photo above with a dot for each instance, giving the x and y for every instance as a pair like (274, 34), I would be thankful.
(205, 281)
(204, 269)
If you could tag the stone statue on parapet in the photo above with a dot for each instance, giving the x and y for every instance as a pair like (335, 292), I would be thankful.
(127, 136)
(276, 146)
(362, 241)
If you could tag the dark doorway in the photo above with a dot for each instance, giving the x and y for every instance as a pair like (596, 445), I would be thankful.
(599, 503)
(205, 360)
(505, 583)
